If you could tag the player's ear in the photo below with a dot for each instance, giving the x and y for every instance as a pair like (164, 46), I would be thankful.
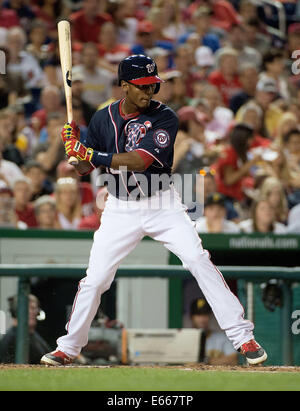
(125, 86)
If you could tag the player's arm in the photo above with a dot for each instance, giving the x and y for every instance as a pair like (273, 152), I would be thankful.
(133, 160)
(89, 158)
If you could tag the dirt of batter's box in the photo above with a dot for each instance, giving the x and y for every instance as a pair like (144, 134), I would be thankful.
(186, 367)
(246, 368)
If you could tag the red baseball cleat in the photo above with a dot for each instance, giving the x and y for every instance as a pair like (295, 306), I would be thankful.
(253, 352)
(56, 358)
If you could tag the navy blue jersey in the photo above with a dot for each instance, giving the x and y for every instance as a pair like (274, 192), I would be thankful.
(153, 132)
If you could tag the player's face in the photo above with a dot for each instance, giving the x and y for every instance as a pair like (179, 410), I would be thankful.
(139, 96)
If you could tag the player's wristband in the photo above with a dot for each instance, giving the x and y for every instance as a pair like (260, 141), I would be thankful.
(101, 159)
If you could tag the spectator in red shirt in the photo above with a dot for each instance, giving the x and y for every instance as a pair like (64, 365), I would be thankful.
(233, 165)
(24, 210)
(226, 77)
(48, 12)
(51, 103)
(252, 115)
(184, 59)
(224, 14)
(93, 221)
(87, 22)
(8, 18)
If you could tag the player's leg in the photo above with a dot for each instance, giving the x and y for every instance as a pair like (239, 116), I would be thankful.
(181, 239)
(117, 236)
(175, 230)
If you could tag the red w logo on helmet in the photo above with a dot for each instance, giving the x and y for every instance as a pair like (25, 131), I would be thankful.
(150, 67)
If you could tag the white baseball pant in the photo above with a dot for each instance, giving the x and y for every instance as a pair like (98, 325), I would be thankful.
(123, 225)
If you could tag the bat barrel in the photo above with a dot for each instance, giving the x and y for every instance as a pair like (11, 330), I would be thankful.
(65, 52)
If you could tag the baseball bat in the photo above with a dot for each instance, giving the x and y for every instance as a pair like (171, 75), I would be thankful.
(65, 53)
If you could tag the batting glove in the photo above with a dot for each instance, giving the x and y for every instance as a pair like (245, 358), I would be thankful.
(70, 130)
(74, 148)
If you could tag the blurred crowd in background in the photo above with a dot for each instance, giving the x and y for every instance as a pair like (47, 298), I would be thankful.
(230, 75)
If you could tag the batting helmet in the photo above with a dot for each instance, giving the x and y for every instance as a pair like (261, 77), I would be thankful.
(140, 70)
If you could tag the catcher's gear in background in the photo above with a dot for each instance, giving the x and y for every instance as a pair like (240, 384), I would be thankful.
(13, 307)
(139, 70)
(272, 296)
(70, 130)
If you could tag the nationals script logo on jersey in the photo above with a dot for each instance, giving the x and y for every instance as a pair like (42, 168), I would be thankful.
(135, 132)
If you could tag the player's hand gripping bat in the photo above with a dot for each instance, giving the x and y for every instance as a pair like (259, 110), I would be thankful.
(65, 52)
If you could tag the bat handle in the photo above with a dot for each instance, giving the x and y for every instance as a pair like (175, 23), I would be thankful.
(72, 160)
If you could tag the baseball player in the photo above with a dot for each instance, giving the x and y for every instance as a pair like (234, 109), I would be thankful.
(134, 139)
